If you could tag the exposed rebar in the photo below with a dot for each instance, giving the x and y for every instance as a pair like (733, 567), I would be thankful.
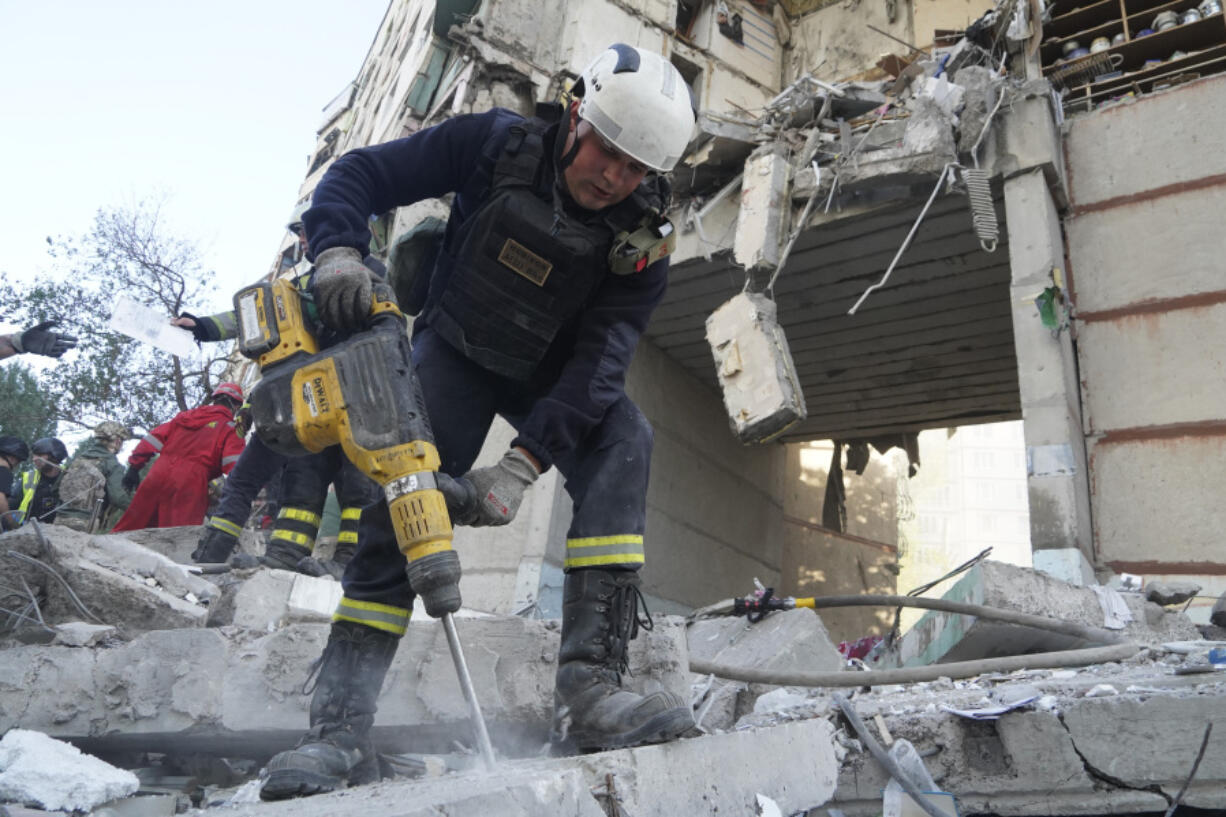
(76, 601)
(883, 757)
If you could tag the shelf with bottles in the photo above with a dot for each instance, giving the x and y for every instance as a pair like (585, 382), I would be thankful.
(1054, 49)
(1067, 22)
(1206, 61)
(1149, 78)
(1143, 52)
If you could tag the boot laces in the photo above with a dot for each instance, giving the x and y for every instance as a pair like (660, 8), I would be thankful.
(335, 639)
(627, 621)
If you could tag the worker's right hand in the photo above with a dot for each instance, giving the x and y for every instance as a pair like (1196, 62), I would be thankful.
(39, 340)
(342, 288)
(131, 478)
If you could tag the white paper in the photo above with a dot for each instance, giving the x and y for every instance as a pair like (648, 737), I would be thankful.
(150, 326)
(990, 713)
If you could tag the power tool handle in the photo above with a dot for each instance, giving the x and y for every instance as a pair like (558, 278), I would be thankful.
(459, 493)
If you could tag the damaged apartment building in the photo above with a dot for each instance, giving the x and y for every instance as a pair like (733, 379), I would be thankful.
(948, 223)
(894, 216)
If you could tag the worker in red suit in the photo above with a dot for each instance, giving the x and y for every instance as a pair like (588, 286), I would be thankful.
(198, 445)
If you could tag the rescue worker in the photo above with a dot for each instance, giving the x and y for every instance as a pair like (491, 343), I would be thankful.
(552, 261)
(304, 481)
(196, 446)
(37, 340)
(92, 488)
(13, 452)
(35, 493)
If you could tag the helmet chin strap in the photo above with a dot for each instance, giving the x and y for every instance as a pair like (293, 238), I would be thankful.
(564, 160)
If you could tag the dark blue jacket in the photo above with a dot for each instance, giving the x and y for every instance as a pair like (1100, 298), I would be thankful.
(585, 370)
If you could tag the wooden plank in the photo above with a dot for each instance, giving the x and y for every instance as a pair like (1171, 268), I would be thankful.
(908, 281)
(815, 369)
(806, 432)
(918, 381)
(863, 254)
(975, 308)
(887, 344)
(846, 329)
(914, 412)
(882, 400)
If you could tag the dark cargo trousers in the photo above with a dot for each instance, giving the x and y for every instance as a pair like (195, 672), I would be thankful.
(302, 492)
(606, 478)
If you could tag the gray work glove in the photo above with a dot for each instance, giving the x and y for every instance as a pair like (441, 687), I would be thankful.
(342, 288)
(37, 340)
(499, 489)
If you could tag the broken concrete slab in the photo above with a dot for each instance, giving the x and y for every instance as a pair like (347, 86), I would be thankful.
(943, 637)
(231, 692)
(785, 640)
(265, 599)
(178, 543)
(794, 764)
(1166, 593)
(82, 634)
(1061, 756)
(117, 581)
(509, 791)
(763, 216)
(927, 147)
(1066, 564)
(39, 770)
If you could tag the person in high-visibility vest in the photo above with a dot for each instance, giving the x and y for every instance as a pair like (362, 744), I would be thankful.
(36, 491)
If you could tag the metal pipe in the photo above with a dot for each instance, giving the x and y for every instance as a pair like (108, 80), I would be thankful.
(470, 695)
(883, 757)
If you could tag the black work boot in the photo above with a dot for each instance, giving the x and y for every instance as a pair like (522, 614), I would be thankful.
(346, 546)
(283, 555)
(337, 750)
(214, 547)
(293, 538)
(599, 618)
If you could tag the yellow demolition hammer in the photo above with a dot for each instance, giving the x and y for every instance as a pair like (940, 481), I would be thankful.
(361, 394)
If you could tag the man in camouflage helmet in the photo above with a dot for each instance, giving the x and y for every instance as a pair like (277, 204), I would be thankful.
(92, 488)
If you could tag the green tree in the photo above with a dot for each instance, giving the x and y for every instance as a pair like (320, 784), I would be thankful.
(25, 411)
(111, 376)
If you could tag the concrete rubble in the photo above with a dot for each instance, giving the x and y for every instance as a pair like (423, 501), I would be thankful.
(942, 637)
(117, 646)
(50, 774)
(208, 701)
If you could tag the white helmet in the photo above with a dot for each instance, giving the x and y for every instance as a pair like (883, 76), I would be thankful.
(295, 216)
(638, 102)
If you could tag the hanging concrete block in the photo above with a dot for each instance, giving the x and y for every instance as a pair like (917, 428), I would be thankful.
(761, 222)
(761, 391)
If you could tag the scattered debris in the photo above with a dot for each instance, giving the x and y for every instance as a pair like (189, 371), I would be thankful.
(1168, 593)
(50, 774)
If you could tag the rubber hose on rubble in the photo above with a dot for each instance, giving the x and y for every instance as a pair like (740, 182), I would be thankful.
(1116, 649)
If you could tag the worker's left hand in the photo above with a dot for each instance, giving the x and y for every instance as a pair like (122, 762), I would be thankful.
(500, 489)
(131, 478)
(342, 288)
(38, 340)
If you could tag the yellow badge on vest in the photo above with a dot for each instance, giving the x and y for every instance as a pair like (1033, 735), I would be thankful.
(522, 260)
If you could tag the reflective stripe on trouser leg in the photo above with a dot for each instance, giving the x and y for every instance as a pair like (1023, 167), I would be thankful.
(605, 551)
(351, 518)
(225, 526)
(385, 617)
(297, 527)
(255, 467)
(606, 476)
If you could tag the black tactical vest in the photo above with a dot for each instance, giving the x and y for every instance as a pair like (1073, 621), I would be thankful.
(521, 268)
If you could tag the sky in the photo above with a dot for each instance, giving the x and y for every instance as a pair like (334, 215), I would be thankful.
(213, 106)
